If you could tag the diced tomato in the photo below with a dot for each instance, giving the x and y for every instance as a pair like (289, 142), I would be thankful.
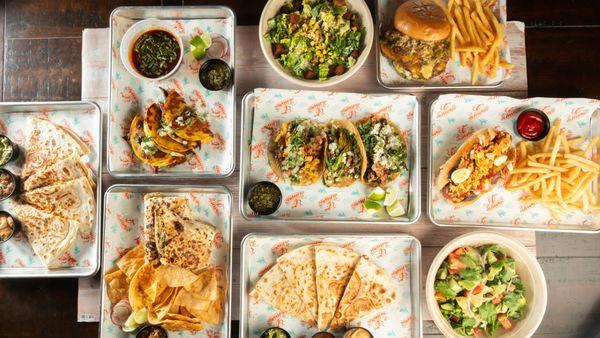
(455, 263)
(506, 324)
(512, 287)
(459, 251)
(497, 298)
(476, 330)
(439, 297)
(477, 289)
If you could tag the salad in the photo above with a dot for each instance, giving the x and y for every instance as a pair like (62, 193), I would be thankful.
(315, 38)
(478, 290)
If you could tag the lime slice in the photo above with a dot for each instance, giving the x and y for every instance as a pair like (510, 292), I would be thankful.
(371, 207)
(126, 328)
(391, 195)
(141, 316)
(199, 44)
(130, 323)
(460, 175)
(396, 209)
(377, 194)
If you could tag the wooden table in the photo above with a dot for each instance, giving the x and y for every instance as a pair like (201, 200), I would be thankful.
(40, 63)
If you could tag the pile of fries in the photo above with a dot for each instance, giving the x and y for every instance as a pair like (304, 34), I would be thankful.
(557, 173)
(476, 35)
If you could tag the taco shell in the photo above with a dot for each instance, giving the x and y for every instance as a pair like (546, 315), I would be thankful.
(349, 126)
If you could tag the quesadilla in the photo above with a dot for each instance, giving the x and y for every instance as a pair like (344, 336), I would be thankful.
(64, 170)
(153, 204)
(370, 288)
(72, 200)
(49, 236)
(334, 267)
(47, 143)
(298, 266)
(274, 289)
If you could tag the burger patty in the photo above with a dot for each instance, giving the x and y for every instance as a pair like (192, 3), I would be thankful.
(413, 58)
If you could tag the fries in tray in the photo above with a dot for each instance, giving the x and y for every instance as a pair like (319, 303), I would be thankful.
(557, 173)
(477, 36)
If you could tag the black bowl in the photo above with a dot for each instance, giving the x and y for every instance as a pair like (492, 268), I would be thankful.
(268, 210)
(16, 226)
(16, 184)
(545, 121)
(275, 328)
(209, 65)
(147, 329)
(15, 150)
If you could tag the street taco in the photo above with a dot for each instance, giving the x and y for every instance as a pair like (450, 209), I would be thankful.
(345, 156)
(483, 162)
(385, 147)
(296, 151)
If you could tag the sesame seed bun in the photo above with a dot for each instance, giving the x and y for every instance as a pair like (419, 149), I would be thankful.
(422, 20)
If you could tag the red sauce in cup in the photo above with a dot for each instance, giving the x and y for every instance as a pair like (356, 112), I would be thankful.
(533, 124)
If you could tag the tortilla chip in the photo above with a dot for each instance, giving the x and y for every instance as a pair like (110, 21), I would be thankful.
(132, 261)
(175, 276)
(162, 306)
(117, 287)
(145, 287)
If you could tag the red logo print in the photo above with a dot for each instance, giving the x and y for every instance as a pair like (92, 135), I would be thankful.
(577, 114)
(196, 163)
(216, 205)
(464, 132)
(493, 202)
(358, 205)
(401, 273)
(219, 111)
(328, 203)
(478, 110)
(259, 149)
(295, 200)
(280, 248)
(197, 98)
(284, 106)
(129, 96)
(217, 142)
(350, 111)
(270, 127)
(379, 250)
(317, 108)
(124, 222)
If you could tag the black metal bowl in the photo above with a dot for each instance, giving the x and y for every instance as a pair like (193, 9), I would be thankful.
(268, 210)
(15, 181)
(545, 121)
(210, 65)
(15, 229)
(14, 147)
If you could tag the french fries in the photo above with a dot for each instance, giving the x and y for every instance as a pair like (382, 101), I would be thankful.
(477, 36)
(557, 173)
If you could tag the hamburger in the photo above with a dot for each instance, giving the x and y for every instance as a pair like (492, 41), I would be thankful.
(418, 43)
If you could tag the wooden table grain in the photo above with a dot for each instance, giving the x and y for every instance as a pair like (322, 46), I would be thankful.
(41, 43)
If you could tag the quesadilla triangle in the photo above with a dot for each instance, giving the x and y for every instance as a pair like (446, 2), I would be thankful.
(298, 267)
(47, 143)
(386, 150)
(345, 156)
(274, 289)
(64, 170)
(334, 267)
(49, 236)
(370, 288)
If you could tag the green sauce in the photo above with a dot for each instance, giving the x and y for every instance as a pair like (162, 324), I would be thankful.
(264, 198)
(155, 53)
(6, 150)
(216, 75)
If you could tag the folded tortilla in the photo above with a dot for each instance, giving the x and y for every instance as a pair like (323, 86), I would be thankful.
(64, 170)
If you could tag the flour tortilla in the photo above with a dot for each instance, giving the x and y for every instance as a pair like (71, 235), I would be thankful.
(73, 200)
(298, 266)
(48, 143)
(370, 288)
(49, 236)
(334, 267)
(64, 170)
(274, 289)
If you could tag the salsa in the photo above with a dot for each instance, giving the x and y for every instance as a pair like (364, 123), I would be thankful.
(155, 53)
(7, 226)
(323, 335)
(152, 331)
(7, 184)
(275, 332)
(533, 124)
(358, 332)
(264, 198)
(215, 74)
(6, 150)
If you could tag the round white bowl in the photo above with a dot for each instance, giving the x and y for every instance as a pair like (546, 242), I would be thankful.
(527, 268)
(272, 8)
(133, 33)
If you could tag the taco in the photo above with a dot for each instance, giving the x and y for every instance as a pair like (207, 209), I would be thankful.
(483, 162)
(385, 147)
(345, 156)
(296, 151)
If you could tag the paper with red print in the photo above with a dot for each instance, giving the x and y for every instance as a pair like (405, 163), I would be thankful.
(130, 96)
(455, 117)
(273, 106)
(123, 231)
(454, 74)
(392, 253)
(17, 253)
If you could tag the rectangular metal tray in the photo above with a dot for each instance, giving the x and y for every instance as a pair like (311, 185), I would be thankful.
(409, 272)
(413, 211)
(106, 328)
(594, 130)
(382, 17)
(26, 264)
(213, 160)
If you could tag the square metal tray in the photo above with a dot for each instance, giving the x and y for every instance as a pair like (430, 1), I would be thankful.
(413, 209)
(121, 231)
(387, 250)
(129, 95)
(17, 259)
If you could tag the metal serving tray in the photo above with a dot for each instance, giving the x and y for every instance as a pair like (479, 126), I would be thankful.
(123, 222)
(457, 114)
(385, 12)
(398, 254)
(335, 215)
(17, 259)
(130, 95)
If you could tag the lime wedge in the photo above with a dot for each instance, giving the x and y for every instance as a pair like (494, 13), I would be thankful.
(371, 207)
(199, 44)
(141, 316)
(130, 323)
(377, 194)
(391, 195)
(126, 328)
(396, 209)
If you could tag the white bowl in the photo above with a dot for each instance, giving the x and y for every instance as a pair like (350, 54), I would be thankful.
(133, 33)
(272, 8)
(527, 268)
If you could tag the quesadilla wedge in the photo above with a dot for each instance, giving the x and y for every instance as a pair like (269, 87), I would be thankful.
(73, 200)
(273, 288)
(295, 151)
(345, 156)
(298, 266)
(64, 170)
(370, 288)
(334, 267)
(386, 150)
(47, 143)
(49, 236)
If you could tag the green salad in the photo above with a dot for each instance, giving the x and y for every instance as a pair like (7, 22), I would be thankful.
(478, 290)
(316, 38)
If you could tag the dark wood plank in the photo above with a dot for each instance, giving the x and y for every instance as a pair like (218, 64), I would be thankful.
(2, 19)
(555, 12)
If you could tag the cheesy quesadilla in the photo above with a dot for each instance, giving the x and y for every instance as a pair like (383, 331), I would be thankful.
(64, 170)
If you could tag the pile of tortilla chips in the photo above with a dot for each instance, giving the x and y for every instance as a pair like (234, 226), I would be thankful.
(174, 297)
